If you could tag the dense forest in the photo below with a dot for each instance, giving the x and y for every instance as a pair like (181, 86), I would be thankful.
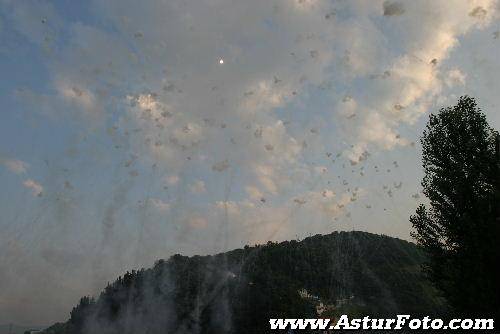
(355, 273)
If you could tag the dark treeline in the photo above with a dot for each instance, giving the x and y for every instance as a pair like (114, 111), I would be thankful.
(354, 273)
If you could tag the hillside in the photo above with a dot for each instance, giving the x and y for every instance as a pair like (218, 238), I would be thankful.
(238, 291)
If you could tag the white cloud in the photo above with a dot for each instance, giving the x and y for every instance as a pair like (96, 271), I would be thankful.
(184, 111)
(253, 120)
(14, 165)
(35, 187)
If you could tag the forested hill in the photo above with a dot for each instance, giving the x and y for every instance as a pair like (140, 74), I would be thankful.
(237, 292)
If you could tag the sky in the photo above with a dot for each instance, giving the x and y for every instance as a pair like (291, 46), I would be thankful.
(134, 130)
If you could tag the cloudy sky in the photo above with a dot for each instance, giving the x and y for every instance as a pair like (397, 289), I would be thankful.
(134, 130)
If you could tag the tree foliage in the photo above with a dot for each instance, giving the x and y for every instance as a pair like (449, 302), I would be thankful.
(357, 273)
(459, 230)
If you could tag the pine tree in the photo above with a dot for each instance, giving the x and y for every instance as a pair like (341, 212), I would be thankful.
(460, 229)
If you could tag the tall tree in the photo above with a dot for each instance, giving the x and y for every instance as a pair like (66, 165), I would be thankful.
(460, 229)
